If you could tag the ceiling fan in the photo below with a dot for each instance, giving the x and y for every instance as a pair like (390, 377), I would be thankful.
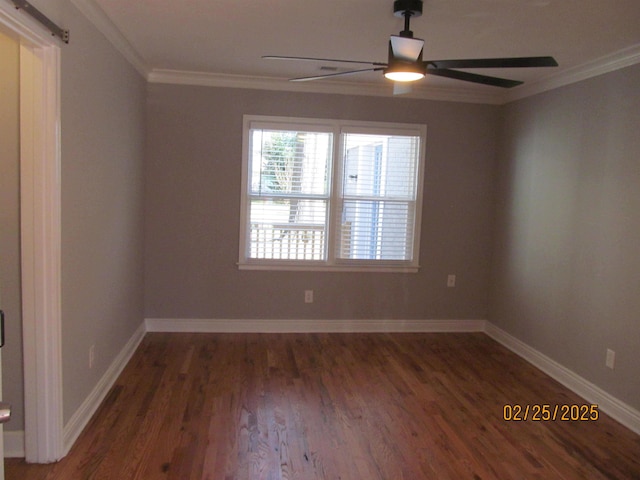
(405, 63)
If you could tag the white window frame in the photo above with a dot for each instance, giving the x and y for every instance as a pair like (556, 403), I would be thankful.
(336, 127)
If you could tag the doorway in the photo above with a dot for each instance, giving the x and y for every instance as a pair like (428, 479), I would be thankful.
(39, 60)
(10, 281)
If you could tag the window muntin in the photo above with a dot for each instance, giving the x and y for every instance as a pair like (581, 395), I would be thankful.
(329, 194)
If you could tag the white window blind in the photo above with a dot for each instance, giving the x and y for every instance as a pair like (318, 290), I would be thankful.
(378, 197)
(328, 194)
(289, 194)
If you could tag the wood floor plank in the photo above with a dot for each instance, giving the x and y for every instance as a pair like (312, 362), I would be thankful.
(335, 406)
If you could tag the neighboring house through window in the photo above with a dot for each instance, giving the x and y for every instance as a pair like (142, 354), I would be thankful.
(331, 195)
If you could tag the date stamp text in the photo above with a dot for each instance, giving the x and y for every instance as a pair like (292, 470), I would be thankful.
(550, 413)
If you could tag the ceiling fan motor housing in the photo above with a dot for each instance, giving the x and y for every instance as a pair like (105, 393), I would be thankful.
(412, 7)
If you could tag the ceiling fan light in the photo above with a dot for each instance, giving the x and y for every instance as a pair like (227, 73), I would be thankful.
(403, 76)
(405, 71)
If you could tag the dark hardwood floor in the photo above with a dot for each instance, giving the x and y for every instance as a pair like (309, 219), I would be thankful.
(336, 406)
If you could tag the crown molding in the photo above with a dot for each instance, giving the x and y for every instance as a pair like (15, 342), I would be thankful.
(181, 77)
(609, 63)
(615, 61)
(103, 23)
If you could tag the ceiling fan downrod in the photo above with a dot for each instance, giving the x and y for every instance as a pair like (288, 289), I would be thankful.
(407, 9)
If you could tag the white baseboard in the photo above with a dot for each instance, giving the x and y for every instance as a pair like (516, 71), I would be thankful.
(14, 444)
(620, 411)
(187, 325)
(81, 417)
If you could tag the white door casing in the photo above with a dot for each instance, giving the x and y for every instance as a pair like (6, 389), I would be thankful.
(40, 235)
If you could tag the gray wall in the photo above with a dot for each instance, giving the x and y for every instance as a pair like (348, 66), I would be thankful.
(566, 257)
(564, 181)
(10, 295)
(102, 191)
(192, 211)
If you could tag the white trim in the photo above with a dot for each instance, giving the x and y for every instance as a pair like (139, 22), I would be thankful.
(14, 444)
(40, 239)
(623, 58)
(617, 60)
(333, 196)
(82, 416)
(103, 23)
(14, 441)
(618, 410)
(609, 63)
(40, 232)
(621, 412)
(190, 325)
(206, 79)
(275, 266)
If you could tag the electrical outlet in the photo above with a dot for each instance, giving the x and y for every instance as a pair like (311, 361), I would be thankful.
(610, 361)
(308, 296)
(451, 281)
(92, 355)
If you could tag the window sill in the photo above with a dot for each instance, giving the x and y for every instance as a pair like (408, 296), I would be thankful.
(328, 268)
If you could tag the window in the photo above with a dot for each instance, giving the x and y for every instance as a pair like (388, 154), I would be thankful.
(331, 194)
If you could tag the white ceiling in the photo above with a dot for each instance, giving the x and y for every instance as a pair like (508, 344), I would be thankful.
(222, 38)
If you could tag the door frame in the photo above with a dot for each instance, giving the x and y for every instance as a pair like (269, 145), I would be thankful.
(40, 229)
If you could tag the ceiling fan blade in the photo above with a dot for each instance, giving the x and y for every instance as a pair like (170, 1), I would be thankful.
(405, 48)
(337, 74)
(516, 62)
(313, 59)
(474, 77)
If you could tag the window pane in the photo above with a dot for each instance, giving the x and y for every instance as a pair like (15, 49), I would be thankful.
(290, 162)
(376, 230)
(380, 166)
(287, 229)
(379, 192)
